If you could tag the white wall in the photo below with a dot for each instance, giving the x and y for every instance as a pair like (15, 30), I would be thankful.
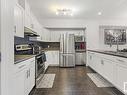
(91, 31)
(92, 28)
(112, 23)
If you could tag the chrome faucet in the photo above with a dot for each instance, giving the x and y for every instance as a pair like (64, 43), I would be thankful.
(110, 43)
(117, 44)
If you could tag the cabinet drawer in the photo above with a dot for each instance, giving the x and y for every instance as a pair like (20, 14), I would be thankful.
(121, 76)
(24, 64)
(121, 61)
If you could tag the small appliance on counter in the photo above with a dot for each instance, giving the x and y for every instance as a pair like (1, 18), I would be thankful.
(27, 49)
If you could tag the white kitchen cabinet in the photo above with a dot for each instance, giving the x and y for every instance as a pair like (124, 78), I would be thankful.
(30, 76)
(19, 20)
(55, 36)
(24, 77)
(19, 83)
(52, 58)
(80, 58)
(107, 69)
(31, 21)
(112, 68)
(27, 21)
(45, 35)
(121, 76)
(92, 60)
(103, 65)
(28, 18)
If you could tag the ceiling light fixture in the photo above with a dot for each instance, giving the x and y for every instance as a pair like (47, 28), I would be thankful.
(64, 12)
(99, 13)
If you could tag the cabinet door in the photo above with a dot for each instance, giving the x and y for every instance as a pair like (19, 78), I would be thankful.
(27, 20)
(45, 35)
(121, 76)
(107, 71)
(27, 83)
(92, 60)
(32, 75)
(19, 83)
(52, 57)
(89, 59)
(19, 20)
(55, 36)
(55, 57)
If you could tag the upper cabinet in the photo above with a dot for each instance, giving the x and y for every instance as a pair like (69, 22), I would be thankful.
(18, 20)
(25, 18)
(31, 21)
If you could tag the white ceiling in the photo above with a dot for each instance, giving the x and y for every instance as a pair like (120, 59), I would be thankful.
(83, 9)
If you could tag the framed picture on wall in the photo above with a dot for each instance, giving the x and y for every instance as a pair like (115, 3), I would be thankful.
(114, 36)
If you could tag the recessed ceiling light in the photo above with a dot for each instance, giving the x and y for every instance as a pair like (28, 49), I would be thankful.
(57, 13)
(99, 13)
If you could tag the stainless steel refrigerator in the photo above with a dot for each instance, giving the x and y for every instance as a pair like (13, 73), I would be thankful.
(67, 50)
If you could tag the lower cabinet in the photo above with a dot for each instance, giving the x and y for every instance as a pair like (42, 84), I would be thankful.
(52, 58)
(93, 60)
(24, 78)
(121, 76)
(19, 83)
(107, 69)
(112, 68)
(30, 77)
(80, 58)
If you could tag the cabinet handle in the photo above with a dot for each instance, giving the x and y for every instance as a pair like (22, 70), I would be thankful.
(90, 57)
(120, 60)
(27, 74)
(102, 62)
(92, 53)
(22, 66)
(15, 29)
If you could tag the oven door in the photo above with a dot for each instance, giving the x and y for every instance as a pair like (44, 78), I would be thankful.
(40, 66)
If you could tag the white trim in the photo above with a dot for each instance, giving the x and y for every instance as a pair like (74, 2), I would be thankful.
(54, 65)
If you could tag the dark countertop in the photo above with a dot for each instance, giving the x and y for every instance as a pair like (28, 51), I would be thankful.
(113, 53)
(53, 49)
(20, 58)
(80, 51)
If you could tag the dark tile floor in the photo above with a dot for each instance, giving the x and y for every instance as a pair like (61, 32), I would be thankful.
(74, 81)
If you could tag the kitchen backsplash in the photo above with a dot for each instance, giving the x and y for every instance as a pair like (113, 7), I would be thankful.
(50, 45)
(25, 40)
(44, 45)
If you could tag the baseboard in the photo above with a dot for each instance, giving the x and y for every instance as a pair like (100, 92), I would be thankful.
(54, 65)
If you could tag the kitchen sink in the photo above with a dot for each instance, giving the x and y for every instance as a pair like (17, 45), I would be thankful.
(111, 51)
(116, 52)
